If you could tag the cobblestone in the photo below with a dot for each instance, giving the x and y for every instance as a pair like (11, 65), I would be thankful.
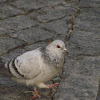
(8, 43)
(8, 11)
(81, 71)
(17, 23)
(27, 24)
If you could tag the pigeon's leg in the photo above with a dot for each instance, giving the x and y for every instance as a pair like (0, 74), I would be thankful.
(42, 85)
(47, 86)
(35, 93)
(52, 85)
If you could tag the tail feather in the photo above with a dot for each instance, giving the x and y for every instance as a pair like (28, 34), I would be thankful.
(12, 68)
(7, 66)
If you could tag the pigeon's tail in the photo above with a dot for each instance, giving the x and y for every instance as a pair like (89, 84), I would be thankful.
(12, 68)
(7, 66)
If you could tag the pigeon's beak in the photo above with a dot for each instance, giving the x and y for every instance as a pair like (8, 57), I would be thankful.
(66, 50)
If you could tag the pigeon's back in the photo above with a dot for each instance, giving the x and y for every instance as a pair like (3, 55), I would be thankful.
(26, 65)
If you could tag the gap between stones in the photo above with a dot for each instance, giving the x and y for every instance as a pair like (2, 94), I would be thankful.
(70, 27)
(25, 44)
(70, 22)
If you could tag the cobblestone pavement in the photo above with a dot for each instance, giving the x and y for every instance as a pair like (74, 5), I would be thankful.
(28, 24)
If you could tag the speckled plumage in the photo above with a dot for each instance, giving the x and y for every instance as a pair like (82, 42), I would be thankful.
(51, 60)
(38, 66)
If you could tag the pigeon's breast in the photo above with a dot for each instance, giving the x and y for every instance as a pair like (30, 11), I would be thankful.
(56, 61)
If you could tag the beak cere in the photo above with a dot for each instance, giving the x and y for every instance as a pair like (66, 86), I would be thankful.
(66, 50)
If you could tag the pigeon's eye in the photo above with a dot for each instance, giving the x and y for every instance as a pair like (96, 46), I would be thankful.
(58, 46)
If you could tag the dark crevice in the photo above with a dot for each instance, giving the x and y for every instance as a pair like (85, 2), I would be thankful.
(29, 27)
(16, 38)
(23, 13)
(85, 7)
(25, 44)
(49, 30)
(17, 47)
(8, 1)
(12, 16)
(70, 24)
(88, 55)
(45, 40)
(34, 18)
(98, 93)
(4, 35)
(67, 1)
(71, 21)
(56, 19)
(44, 22)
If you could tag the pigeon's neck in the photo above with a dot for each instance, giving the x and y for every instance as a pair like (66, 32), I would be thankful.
(52, 58)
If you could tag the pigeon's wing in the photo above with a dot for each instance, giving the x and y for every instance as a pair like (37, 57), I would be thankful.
(26, 65)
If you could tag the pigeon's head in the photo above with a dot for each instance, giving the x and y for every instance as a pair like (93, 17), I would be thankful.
(57, 46)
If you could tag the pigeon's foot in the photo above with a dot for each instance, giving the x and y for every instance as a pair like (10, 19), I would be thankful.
(52, 85)
(35, 94)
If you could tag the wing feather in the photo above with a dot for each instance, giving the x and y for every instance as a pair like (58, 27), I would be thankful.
(28, 64)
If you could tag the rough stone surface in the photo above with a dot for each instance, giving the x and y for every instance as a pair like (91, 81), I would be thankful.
(2, 1)
(34, 34)
(36, 45)
(7, 43)
(55, 27)
(8, 11)
(14, 54)
(82, 68)
(18, 23)
(26, 25)
(80, 79)
(30, 5)
(49, 14)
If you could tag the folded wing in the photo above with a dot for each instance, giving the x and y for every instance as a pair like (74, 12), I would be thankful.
(26, 65)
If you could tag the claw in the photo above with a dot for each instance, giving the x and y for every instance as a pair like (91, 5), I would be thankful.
(33, 97)
(35, 94)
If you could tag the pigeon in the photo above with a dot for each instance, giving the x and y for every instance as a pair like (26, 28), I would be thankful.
(38, 66)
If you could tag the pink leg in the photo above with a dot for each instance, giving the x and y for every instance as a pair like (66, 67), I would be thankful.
(52, 85)
(35, 94)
